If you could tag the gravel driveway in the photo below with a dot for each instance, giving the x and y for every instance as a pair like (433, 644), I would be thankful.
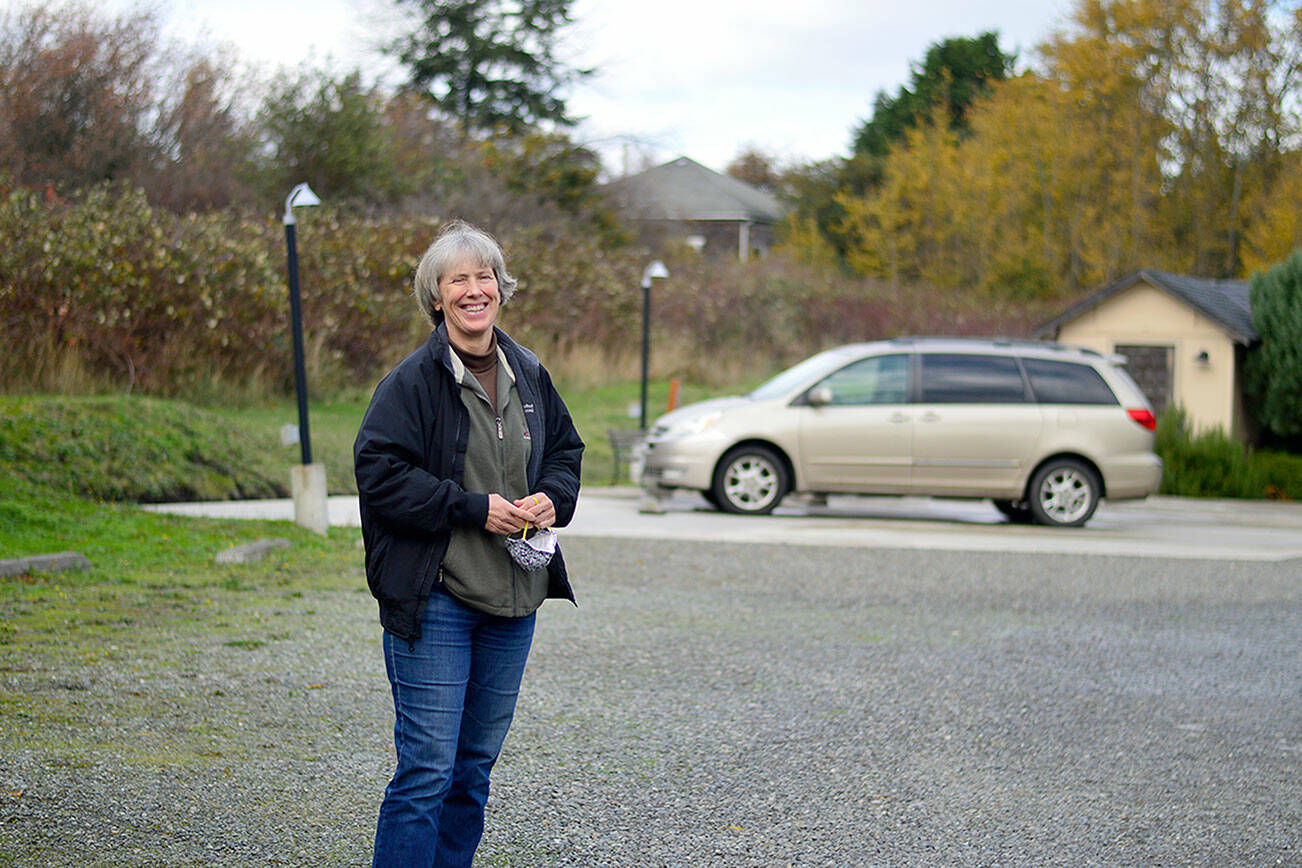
(715, 704)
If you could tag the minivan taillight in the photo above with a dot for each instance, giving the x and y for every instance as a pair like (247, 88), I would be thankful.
(1144, 418)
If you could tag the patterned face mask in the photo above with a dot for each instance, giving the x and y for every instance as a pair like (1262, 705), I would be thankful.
(532, 550)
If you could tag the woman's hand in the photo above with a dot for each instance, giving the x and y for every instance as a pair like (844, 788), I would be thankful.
(505, 517)
(539, 508)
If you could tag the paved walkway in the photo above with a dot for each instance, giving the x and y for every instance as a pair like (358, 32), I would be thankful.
(342, 509)
(1157, 527)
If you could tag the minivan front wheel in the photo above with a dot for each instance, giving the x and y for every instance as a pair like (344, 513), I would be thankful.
(751, 480)
(1064, 493)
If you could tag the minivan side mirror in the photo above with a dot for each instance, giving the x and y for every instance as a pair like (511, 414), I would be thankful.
(819, 397)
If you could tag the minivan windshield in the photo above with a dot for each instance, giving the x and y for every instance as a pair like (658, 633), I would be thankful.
(807, 371)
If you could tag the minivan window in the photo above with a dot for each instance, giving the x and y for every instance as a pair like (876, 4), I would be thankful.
(801, 373)
(1067, 383)
(874, 380)
(954, 378)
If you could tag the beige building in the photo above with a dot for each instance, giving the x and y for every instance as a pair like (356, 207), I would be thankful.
(1184, 339)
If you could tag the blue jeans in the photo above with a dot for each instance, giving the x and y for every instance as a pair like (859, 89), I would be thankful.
(454, 696)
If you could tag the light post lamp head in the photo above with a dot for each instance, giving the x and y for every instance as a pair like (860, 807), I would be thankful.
(301, 197)
(654, 270)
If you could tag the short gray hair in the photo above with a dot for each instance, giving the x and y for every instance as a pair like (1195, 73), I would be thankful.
(458, 241)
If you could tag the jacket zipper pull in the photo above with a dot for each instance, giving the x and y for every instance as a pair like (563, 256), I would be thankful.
(501, 435)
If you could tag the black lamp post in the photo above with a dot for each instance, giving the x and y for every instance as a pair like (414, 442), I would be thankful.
(302, 196)
(654, 270)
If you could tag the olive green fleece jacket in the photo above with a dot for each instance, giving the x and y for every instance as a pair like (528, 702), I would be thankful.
(477, 569)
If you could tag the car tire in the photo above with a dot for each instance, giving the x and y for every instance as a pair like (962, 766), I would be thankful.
(750, 480)
(1064, 493)
(1016, 511)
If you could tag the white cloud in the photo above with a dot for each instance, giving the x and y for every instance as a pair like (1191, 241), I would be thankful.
(709, 78)
(703, 78)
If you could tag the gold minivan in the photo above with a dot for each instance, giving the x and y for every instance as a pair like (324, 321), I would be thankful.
(1044, 430)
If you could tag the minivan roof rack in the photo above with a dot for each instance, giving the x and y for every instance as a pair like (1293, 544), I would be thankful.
(1029, 343)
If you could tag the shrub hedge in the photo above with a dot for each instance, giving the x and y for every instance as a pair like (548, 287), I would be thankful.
(131, 296)
(105, 292)
(1212, 464)
(136, 297)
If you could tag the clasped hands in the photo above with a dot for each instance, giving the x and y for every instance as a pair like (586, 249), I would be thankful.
(507, 517)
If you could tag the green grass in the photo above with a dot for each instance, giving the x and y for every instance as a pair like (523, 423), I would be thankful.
(153, 602)
(150, 575)
(134, 448)
(332, 426)
(128, 545)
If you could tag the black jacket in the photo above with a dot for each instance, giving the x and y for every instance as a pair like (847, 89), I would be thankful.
(410, 458)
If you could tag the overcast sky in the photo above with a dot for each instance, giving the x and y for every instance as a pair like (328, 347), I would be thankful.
(701, 78)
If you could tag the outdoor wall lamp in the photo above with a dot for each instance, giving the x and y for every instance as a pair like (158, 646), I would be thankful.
(1203, 358)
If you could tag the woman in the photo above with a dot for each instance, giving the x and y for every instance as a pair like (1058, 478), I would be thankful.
(465, 442)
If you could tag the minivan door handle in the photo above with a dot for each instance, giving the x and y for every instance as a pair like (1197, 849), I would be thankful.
(930, 417)
(899, 417)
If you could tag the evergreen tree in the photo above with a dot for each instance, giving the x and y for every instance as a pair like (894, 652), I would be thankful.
(489, 63)
(1274, 369)
(953, 72)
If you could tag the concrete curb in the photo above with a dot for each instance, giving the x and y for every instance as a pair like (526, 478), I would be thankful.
(55, 563)
(250, 552)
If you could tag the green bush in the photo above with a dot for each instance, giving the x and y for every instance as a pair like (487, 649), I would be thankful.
(111, 293)
(1282, 473)
(1212, 464)
(134, 296)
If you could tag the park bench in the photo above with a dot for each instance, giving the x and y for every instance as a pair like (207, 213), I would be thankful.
(622, 443)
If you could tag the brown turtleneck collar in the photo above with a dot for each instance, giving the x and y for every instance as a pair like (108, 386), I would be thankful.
(484, 367)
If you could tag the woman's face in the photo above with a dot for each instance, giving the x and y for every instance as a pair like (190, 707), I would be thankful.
(469, 299)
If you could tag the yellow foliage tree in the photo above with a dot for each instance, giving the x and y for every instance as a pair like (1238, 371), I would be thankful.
(908, 228)
(1150, 135)
(1275, 226)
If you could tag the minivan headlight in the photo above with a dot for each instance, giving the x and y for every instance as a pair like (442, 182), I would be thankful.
(689, 427)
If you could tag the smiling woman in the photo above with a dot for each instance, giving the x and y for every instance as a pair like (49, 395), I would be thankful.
(465, 443)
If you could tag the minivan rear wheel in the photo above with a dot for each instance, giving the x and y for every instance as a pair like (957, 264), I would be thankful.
(750, 480)
(1064, 493)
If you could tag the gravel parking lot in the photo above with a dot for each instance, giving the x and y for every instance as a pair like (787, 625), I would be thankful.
(722, 704)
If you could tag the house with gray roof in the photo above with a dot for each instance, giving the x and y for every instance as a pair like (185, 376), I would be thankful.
(1184, 339)
(684, 201)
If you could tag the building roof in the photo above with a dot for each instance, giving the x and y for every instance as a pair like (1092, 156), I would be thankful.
(683, 189)
(1225, 302)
